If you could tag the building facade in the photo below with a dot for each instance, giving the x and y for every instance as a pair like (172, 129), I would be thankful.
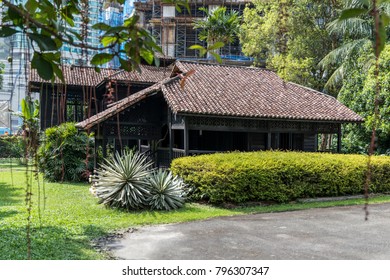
(15, 55)
(93, 10)
(206, 108)
(174, 30)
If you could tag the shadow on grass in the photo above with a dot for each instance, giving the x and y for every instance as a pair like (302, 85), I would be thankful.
(9, 195)
(49, 243)
(6, 214)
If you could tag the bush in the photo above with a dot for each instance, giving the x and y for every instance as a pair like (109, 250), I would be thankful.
(63, 154)
(12, 146)
(279, 176)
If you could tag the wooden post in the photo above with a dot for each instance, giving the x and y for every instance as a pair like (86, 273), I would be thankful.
(277, 138)
(339, 138)
(186, 140)
(170, 135)
(95, 146)
(269, 141)
(104, 142)
(290, 141)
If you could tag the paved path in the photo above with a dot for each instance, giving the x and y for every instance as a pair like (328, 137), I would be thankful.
(330, 233)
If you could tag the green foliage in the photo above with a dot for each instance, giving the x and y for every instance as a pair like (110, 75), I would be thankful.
(211, 49)
(63, 154)
(218, 26)
(279, 176)
(358, 92)
(358, 34)
(12, 146)
(127, 182)
(167, 192)
(290, 37)
(42, 22)
(121, 182)
(30, 118)
(217, 29)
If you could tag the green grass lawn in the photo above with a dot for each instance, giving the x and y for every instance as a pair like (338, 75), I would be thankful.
(71, 218)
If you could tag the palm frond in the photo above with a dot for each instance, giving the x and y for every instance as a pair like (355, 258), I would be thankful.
(345, 51)
(353, 27)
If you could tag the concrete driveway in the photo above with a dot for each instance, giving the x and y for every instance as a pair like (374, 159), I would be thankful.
(328, 233)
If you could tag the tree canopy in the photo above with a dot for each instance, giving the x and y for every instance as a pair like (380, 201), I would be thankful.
(290, 37)
(330, 46)
(355, 29)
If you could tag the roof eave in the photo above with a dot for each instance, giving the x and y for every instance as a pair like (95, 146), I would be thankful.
(194, 114)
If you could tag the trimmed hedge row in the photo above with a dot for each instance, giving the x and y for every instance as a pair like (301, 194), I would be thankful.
(280, 176)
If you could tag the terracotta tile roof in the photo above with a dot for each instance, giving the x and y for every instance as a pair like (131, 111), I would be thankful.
(76, 76)
(121, 105)
(149, 74)
(236, 91)
(87, 76)
(250, 92)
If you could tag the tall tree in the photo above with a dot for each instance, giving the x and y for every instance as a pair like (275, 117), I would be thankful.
(372, 16)
(290, 37)
(355, 29)
(358, 93)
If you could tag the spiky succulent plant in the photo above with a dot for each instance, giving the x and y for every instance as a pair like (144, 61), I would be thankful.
(122, 181)
(167, 192)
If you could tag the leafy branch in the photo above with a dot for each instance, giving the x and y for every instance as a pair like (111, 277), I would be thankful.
(42, 23)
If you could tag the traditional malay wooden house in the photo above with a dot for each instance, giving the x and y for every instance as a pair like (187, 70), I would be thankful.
(85, 92)
(204, 108)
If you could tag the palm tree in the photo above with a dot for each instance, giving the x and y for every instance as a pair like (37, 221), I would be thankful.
(357, 28)
(366, 23)
(218, 27)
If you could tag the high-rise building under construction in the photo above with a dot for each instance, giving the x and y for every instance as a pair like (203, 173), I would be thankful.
(174, 30)
(15, 54)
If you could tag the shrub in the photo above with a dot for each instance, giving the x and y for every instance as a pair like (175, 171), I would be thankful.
(127, 182)
(121, 182)
(63, 153)
(166, 192)
(279, 176)
(12, 146)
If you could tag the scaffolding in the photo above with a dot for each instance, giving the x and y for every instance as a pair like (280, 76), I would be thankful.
(175, 29)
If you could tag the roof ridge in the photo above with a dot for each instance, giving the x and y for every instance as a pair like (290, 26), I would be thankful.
(313, 90)
(224, 65)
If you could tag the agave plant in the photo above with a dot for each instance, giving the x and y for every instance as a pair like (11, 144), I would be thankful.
(167, 192)
(121, 182)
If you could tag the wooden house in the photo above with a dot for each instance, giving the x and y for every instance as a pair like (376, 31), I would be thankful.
(204, 108)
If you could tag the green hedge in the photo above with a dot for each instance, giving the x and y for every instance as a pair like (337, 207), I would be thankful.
(280, 176)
